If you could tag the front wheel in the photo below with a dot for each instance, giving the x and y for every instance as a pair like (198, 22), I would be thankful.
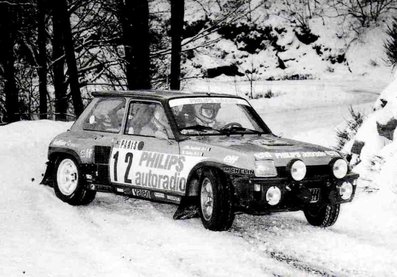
(322, 216)
(69, 183)
(216, 207)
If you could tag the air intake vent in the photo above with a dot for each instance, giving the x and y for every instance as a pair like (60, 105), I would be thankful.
(102, 154)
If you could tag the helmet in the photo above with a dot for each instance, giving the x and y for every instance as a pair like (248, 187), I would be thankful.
(207, 111)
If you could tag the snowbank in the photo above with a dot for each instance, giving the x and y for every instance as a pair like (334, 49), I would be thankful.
(374, 147)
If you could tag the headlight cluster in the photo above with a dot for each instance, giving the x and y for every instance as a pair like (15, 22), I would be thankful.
(339, 168)
(297, 170)
(273, 195)
(265, 168)
(346, 190)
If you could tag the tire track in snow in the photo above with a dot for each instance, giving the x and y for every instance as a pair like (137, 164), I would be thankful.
(271, 235)
(285, 258)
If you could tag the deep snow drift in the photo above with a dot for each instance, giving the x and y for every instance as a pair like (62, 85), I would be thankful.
(377, 158)
(116, 236)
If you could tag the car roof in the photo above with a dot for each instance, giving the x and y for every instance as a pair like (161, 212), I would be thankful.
(161, 95)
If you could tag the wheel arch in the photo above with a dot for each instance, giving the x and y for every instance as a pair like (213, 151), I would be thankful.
(192, 185)
(53, 157)
(57, 153)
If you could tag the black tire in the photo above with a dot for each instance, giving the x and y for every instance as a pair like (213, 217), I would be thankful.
(78, 194)
(222, 216)
(322, 216)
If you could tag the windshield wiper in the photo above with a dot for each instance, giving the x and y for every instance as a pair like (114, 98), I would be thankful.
(233, 129)
(199, 128)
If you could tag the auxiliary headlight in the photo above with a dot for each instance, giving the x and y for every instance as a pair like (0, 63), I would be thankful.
(298, 170)
(273, 195)
(339, 168)
(346, 190)
(265, 168)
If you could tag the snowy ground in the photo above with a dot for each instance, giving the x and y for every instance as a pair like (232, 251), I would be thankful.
(116, 236)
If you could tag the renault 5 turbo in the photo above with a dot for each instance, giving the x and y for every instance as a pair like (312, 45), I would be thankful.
(210, 150)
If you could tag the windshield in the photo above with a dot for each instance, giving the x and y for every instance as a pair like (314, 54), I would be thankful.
(214, 115)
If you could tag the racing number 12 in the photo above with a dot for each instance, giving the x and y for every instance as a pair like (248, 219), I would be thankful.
(128, 160)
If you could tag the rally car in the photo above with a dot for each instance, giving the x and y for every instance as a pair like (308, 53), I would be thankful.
(212, 151)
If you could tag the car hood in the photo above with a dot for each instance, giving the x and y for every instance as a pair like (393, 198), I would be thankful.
(281, 150)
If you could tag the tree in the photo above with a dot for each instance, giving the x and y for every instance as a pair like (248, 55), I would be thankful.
(42, 56)
(364, 12)
(391, 43)
(134, 18)
(8, 30)
(58, 66)
(177, 16)
(67, 38)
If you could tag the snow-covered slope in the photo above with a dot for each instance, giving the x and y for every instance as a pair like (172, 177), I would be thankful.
(375, 145)
(288, 40)
(115, 236)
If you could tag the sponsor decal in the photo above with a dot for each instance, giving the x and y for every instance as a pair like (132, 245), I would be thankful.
(231, 159)
(192, 150)
(196, 148)
(238, 171)
(151, 170)
(129, 144)
(292, 155)
(160, 181)
(192, 153)
(173, 198)
(61, 142)
(201, 100)
(159, 195)
(141, 193)
(86, 153)
(162, 161)
(263, 155)
(332, 153)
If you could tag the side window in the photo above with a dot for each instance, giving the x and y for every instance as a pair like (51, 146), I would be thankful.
(147, 119)
(106, 116)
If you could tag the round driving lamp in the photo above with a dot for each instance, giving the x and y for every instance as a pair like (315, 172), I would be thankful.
(273, 195)
(297, 170)
(346, 190)
(339, 168)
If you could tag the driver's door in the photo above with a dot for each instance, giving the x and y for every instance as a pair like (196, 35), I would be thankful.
(145, 157)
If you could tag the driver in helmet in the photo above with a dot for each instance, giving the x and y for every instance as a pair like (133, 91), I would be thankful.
(206, 113)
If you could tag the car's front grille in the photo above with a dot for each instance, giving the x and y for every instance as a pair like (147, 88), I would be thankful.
(311, 171)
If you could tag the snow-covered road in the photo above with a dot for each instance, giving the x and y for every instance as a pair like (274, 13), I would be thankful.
(117, 236)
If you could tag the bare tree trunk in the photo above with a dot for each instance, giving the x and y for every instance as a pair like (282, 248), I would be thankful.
(70, 58)
(42, 58)
(134, 18)
(61, 101)
(7, 60)
(177, 16)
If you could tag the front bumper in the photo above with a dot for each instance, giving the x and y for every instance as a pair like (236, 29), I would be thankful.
(251, 193)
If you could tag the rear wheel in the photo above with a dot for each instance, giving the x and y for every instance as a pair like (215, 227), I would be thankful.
(216, 207)
(322, 216)
(69, 185)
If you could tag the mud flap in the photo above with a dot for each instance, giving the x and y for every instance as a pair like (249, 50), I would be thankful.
(47, 178)
(187, 209)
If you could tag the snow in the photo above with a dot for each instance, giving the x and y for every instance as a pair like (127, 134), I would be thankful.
(377, 160)
(118, 236)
